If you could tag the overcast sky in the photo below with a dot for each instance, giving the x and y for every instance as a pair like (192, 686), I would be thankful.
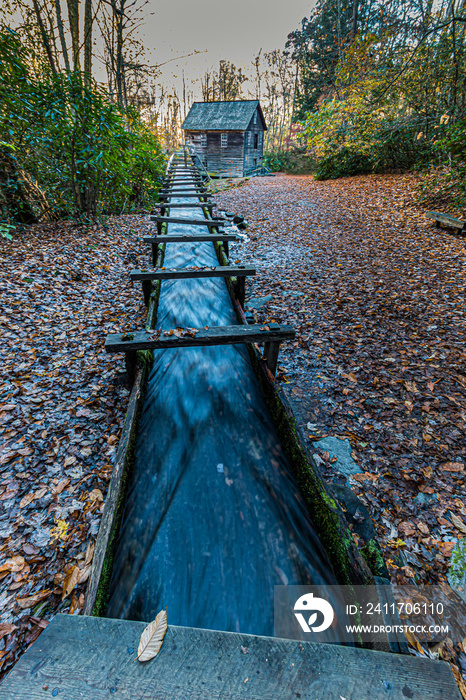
(226, 29)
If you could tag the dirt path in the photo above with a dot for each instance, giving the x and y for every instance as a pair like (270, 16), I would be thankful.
(376, 293)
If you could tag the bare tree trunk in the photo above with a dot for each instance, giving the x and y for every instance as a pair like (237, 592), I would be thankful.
(120, 69)
(73, 16)
(354, 19)
(88, 42)
(45, 38)
(61, 34)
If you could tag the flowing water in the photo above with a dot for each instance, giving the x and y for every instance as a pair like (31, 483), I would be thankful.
(212, 518)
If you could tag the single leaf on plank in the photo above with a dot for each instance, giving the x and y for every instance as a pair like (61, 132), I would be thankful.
(152, 637)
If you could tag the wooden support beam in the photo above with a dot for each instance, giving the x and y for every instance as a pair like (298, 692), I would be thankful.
(271, 350)
(240, 289)
(179, 186)
(272, 335)
(147, 284)
(209, 223)
(192, 190)
(181, 220)
(130, 365)
(446, 219)
(163, 206)
(185, 195)
(183, 178)
(183, 169)
(180, 238)
(175, 273)
(173, 238)
(185, 205)
(183, 181)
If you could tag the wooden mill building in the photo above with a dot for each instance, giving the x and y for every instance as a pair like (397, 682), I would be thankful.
(227, 136)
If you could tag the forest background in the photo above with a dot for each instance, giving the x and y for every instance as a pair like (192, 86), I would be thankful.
(361, 86)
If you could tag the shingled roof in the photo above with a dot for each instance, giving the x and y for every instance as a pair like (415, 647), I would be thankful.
(219, 116)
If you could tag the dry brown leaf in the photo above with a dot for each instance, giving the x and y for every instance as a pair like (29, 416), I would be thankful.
(72, 577)
(459, 680)
(26, 500)
(423, 528)
(458, 523)
(412, 641)
(152, 637)
(96, 495)
(446, 548)
(32, 600)
(84, 574)
(14, 564)
(89, 553)
(69, 461)
(453, 467)
(6, 628)
(61, 485)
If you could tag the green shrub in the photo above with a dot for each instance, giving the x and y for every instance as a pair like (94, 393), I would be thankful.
(67, 149)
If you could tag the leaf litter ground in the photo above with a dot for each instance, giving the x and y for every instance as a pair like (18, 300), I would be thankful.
(63, 287)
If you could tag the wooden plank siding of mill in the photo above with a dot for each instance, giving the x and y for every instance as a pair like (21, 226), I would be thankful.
(228, 137)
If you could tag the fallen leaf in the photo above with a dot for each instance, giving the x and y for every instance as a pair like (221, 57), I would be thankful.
(412, 641)
(32, 600)
(61, 485)
(152, 637)
(6, 628)
(26, 500)
(446, 548)
(453, 467)
(458, 523)
(72, 577)
(14, 564)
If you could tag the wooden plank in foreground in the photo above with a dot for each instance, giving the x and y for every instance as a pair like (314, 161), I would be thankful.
(193, 273)
(91, 658)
